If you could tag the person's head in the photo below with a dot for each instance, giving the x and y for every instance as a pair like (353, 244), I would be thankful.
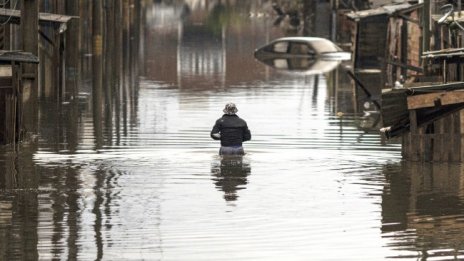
(230, 109)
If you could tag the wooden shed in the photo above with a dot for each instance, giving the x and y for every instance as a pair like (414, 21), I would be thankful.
(428, 115)
(52, 49)
(369, 47)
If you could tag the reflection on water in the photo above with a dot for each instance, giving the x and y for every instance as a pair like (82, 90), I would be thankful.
(423, 209)
(317, 182)
(230, 175)
(18, 207)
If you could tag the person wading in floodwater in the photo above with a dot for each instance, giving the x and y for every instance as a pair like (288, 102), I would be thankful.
(231, 130)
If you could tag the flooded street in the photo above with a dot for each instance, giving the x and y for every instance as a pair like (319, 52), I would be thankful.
(315, 184)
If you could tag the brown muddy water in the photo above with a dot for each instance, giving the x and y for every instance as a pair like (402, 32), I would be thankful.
(312, 186)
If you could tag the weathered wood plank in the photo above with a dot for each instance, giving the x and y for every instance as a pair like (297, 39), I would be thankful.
(435, 99)
(383, 10)
(445, 138)
(6, 57)
(428, 87)
(14, 16)
(438, 140)
(461, 130)
(455, 141)
(413, 121)
(405, 146)
(413, 137)
(394, 107)
(427, 145)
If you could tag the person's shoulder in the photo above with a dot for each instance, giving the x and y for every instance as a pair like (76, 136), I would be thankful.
(241, 119)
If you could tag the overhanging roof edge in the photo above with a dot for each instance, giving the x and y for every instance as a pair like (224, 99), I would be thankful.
(14, 16)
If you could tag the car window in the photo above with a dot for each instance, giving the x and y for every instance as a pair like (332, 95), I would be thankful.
(280, 63)
(300, 48)
(280, 47)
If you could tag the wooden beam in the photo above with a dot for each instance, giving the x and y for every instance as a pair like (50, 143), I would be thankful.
(426, 26)
(406, 66)
(14, 17)
(27, 107)
(29, 26)
(97, 67)
(407, 18)
(361, 85)
(444, 51)
(435, 99)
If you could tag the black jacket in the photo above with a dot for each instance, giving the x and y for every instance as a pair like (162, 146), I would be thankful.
(233, 130)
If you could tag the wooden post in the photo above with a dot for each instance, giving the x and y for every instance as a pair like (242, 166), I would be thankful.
(125, 61)
(456, 138)
(404, 47)
(135, 47)
(333, 34)
(406, 146)
(426, 26)
(72, 51)
(86, 37)
(61, 50)
(437, 140)
(414, 137)
(5, 31)
(97, 68)
(142, 33)
(54, 61)
(29, 30)
(17, 104)
(131, 63)
(109, 46)
(73, 78)
(29, 27)
(461, 133)
(118, 65)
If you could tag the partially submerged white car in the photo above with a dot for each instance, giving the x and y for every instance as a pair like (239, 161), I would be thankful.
(306, 55)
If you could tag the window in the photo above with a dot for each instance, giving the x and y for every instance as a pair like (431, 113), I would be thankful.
(300, 48)
(280, 64)
(280, 47)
